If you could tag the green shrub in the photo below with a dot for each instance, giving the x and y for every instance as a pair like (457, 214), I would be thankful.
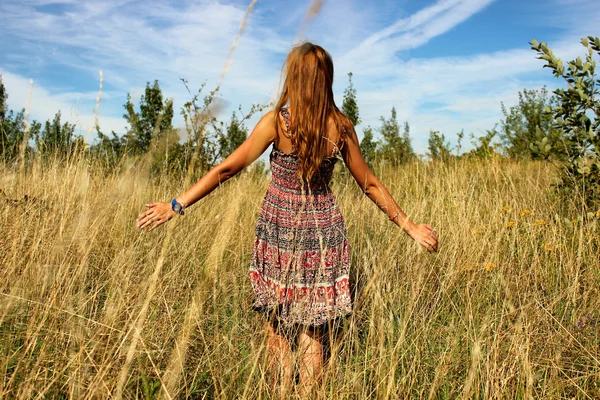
(577, 114)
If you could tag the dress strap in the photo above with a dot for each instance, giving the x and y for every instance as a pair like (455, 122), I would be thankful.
(286, 117)
(336, 148)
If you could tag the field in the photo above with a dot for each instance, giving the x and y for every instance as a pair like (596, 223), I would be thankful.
(90, 307)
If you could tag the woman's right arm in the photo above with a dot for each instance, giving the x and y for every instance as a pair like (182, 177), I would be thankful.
(258, 141)
(378, 193)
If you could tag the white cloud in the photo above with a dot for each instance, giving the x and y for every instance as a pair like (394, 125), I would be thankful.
(419, 28)
(44, 105)
(134, 42)
(466, 91)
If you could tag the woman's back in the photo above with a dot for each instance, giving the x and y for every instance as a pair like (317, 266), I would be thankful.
(283, 141)
(285, 166)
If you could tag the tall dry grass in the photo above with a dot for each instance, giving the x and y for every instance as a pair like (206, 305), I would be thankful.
(90, 307)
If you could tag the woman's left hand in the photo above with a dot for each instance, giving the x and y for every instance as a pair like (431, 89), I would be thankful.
(426, 236)
(156, 215)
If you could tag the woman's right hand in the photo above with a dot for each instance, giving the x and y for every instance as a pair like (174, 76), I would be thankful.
(425, 235)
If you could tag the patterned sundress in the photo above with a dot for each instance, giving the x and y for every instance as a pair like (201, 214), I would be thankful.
(301, 256)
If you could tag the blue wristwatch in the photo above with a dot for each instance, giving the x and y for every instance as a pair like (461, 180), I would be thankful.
(175, 206)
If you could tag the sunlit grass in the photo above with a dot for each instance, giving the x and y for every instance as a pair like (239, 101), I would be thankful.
(508, 308)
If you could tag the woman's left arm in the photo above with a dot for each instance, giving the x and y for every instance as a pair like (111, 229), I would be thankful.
(259, 140)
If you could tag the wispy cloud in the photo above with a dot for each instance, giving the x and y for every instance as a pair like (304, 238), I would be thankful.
(75, 107)
(445, 93)
(420, 27)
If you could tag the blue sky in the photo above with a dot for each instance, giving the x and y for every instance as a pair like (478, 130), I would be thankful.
(445, 65)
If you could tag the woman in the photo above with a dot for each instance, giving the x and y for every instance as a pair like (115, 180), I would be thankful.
(300, 259)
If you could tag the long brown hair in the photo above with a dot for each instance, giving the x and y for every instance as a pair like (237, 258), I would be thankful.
(308, 89)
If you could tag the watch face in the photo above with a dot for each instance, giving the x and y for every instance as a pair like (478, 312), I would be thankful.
(176, 206)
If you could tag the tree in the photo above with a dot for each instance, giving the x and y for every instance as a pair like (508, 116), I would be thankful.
(349, 106)
(233, 137)
(460, 136)
(152, 121)
(12, 129)
(439, 149)
(527, 131)
(393, 147)
(3, 110)
(199, 150)
(577, 116)
(409, 153)
(368, 147)
(108, 149)
(56, 138)
(485, 147)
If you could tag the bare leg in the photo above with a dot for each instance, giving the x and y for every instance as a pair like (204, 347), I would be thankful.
(280, 361)
(310, 347)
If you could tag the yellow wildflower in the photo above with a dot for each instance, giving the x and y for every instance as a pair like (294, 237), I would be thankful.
(548, 247)
(539, 222)
(488, 266)
(598, 213)
(526, 213)
(475, 232)
(507, 209)
(510, 224)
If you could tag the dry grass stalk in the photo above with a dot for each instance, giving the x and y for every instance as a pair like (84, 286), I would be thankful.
(90, 307)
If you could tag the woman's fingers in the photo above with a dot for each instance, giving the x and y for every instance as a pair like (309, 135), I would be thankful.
(430, 243)
(144, 218)
(156, 215)
(145, 222)
(156, 224)
(427, 246)
(428, 237)
(144, 214)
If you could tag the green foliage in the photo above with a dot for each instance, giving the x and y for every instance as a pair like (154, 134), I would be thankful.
(459, 138)
(3, 110)
(394, 147)
(577, 116)
(199, 152)
(368, 147)
(350, 106)
(108, 149)
(234, 136)
(209, 140)
(56, 139)
(541, 147)
(153, 120)
(12, 134)
(484, 146)
(12, 128)
(527, 131)
(231, 136)
(439, 149)
(3, 98)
